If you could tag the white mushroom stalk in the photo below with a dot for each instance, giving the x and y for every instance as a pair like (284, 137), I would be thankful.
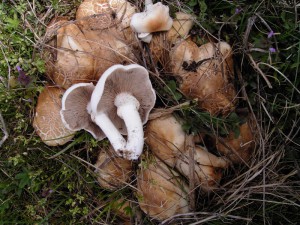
(120, 104)
(129, 105)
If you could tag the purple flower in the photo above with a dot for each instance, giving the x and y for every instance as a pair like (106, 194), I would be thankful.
(272, 50)
(23, 79)
(270, 34)
(238, 10)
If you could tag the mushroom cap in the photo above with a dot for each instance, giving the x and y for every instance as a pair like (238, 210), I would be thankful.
(132, 79)
(47, 121)
(155, 18)
(181, 26)
(68, 59)
(161, 191)
(207, 74)
(166, 138)
(110, 48)
(167, 141)
(238, 149)
(113, 172)
(102, 14)
(74, 112)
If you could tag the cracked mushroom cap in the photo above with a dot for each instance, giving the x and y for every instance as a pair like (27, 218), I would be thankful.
(74, 112)
(161, 192)
(132, 79)
(238, 149)
(68, 59)
(206, 74)
(113, 172)
(102, 14)
(47, 121)
(167, 140)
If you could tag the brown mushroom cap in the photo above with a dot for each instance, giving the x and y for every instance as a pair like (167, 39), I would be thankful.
(110, 47)
(182, 25)
(161, 192)
(113, 172)
(132, 79)
(47, 121)
(102, 14)
(74, 112)
(238, 149)
(207, 74)
(68, 59)
(166, 139)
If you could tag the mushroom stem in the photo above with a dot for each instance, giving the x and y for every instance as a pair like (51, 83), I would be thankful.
(128, 107)
(111, 132)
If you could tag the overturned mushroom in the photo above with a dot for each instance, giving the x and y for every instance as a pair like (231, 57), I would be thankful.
(68, 57)
(161, 192)
(206, 74)
(120, 104)
(113, 172)
(238, 148)
(166, 140)
(155, 18)
(75, 106)
(47, 121)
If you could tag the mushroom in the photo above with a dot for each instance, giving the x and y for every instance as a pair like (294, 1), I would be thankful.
(154, 18)
(206, 74)
(68, 59)
(103, 14)
(113, 172)
(166, 139)
(238, 148)
(161, 192)
(47, 121)
(162, 43)
(105, 24)
(120, 104)
(181, 26)
(75, 106)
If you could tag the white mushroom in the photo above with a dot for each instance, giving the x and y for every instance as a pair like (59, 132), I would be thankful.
(74, 112)
(155, 18)
(120, 104)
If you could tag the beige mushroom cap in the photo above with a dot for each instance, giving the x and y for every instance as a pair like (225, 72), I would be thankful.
(102, 14)
(113, 172)
(238, 149)
(47, 121)
(68, 59)
(207, 74)
(181, 26)
(166, 139)
(161, 192)
(74, 111)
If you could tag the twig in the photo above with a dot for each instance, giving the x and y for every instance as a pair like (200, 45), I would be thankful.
(3, 128)
(163, 112)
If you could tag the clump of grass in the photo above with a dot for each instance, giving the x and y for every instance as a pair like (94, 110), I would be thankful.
(57, 185)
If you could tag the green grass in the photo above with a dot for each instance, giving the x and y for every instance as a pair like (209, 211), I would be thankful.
(56, 185)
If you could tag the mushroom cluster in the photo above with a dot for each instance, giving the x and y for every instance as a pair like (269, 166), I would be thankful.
(100, 87)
